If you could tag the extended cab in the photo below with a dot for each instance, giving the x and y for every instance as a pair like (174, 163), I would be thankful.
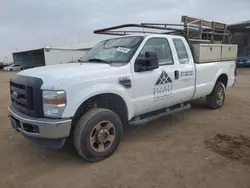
(128, 79)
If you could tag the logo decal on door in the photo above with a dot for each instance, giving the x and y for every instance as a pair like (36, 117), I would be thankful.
(163, 87)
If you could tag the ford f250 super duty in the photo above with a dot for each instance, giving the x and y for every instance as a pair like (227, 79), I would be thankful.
(126, 79)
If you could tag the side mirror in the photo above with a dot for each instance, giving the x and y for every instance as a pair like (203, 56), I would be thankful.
(146, 63)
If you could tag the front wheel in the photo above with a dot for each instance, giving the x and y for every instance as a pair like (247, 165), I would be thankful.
(217, 97)
(97, 134)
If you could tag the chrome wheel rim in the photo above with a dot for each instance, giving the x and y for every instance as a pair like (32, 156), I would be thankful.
(220, 96)
(102, 136)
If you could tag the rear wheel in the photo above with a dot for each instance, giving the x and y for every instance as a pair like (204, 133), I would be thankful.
(97, 134)
(217, 97)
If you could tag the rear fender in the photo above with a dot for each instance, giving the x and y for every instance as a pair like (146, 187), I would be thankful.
(219, 73)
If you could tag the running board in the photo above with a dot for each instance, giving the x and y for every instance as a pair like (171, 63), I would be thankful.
(167, 111)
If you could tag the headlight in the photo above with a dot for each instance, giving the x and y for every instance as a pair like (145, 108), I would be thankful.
(54, 103)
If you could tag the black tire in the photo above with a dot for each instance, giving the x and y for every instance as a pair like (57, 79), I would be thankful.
(83, 131)
(212, 100)
(11, 70)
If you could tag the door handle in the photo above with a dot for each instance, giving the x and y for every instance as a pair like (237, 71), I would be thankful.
(176, 74)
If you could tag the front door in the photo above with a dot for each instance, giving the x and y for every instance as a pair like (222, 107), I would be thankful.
(154, 89)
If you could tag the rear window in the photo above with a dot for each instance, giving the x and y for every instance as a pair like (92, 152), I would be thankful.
(181, 51)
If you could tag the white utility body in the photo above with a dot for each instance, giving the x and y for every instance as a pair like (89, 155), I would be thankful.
(124, 79)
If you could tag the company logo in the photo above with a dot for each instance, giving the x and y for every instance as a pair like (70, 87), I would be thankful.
(163, 79)
(163, 87)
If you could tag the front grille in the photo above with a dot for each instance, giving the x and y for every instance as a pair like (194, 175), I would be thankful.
(18, 94)
(26, 95)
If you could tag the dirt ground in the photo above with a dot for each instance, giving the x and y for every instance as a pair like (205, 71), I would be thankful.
(196, 148)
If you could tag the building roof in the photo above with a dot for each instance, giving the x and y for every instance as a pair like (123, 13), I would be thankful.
(240, 27)
(75, 46)
(245, 22)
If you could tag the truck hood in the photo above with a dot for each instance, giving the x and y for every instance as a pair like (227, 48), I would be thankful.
(54, 73)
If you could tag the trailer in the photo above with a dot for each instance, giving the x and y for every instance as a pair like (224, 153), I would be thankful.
(46, 56)
(52, 55)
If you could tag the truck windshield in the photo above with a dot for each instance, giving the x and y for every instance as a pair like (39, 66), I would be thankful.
(117, 50)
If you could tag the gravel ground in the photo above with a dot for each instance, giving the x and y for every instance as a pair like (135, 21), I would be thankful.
(195, 148)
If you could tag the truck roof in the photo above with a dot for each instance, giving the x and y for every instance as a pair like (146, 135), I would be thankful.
(139, 35)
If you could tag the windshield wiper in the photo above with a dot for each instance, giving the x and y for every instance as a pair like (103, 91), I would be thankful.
(98, 60)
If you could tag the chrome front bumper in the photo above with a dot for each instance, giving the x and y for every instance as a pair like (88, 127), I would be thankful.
(40, 127)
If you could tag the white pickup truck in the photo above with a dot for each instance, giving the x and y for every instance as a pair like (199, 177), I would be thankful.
(127, 79)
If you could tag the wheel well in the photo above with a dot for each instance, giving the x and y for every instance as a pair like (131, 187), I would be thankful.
(224, 79)
(109, 101)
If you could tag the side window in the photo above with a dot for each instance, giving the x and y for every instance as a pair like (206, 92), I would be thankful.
(161, 47)
(181, 51)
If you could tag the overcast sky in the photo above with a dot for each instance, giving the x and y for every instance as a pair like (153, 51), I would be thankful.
(27, 24)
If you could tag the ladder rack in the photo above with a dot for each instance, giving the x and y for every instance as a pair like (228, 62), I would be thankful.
(192, 33)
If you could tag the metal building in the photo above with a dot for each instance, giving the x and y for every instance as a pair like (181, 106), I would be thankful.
(241, 36)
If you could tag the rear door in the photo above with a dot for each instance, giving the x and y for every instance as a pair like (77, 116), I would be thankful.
(184, 69)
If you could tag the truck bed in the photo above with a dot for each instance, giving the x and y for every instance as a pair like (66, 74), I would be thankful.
(207, 73)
